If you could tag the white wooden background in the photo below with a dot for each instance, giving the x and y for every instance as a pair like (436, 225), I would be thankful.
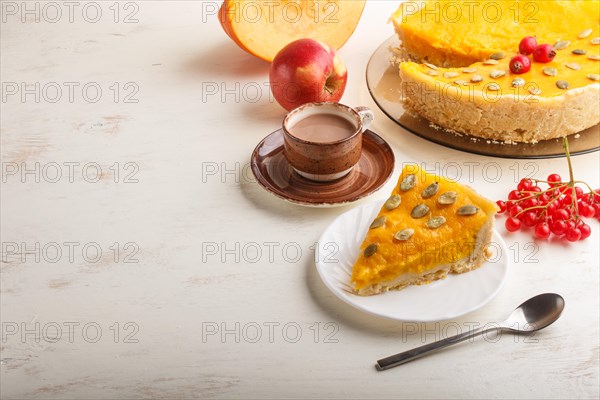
(155, 175)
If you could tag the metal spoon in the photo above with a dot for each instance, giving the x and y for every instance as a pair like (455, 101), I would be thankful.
(534, 314)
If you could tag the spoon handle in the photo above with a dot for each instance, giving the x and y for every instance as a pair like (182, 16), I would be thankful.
(409, 355)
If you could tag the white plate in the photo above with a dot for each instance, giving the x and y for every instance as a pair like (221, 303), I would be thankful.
(441, 300)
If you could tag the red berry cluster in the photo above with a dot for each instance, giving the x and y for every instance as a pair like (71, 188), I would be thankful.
(557, 210)
(543, 53)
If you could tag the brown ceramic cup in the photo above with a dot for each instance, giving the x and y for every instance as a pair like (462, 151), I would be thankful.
(324, 161)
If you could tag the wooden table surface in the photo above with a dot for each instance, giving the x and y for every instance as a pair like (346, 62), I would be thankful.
(141, 259)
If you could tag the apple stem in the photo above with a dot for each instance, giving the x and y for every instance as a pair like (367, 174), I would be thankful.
(327, 89)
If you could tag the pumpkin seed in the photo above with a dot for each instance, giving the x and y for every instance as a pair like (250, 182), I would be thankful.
(451, 74)
(594, 57)
(430, 190)
(467, 210)
(447, 198)
(461, 82)
(469, 70)
(431, 66)
(404, 234)
(435, 222)
(561, 44)
(496, 73)
(393, 202)
(408, 182)
(550, 71)
(595, 40)
(573, 66)
(370, 250)
(579, 52)
(535, 91)
(585, 34)
(419, 211)
(498, 56)
(518, 82)
(594, 77)
(476, 78)
(562, 85)
(493, 86)
(490, 62)
(378, 222)
(432, 73)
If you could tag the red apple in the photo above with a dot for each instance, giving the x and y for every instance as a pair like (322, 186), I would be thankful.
(307, 71)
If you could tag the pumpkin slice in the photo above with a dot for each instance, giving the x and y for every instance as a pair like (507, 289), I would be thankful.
(262, 28)
(429, 227)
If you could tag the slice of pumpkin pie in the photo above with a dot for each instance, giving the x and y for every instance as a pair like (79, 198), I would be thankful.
(429, 227)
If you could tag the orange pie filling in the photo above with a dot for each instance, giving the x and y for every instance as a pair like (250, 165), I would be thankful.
(437, 223)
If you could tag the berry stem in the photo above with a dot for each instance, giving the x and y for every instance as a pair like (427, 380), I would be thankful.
(548, 209)
(571, 179)
(568, 154)
(588, 186)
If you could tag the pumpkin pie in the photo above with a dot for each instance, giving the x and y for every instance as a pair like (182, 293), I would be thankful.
(456, 70)
(429, 227)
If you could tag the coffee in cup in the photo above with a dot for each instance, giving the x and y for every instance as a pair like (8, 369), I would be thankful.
(323, 141)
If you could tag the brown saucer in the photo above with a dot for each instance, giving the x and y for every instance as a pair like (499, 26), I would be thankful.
(274, 173)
